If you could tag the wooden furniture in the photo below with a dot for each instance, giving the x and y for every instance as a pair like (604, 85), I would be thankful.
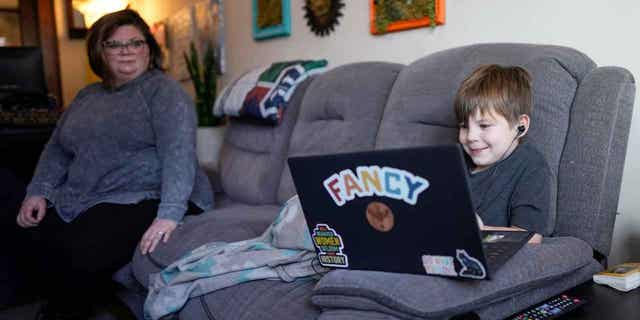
(38, 28)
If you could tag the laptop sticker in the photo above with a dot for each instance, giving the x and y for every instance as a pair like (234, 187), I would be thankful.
(380, 216)
(330, 245)
(439, 265)
(471, 267)
(373, 180)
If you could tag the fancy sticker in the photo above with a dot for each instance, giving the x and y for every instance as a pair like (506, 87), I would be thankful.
(471, 267)
(330, 245)
(439, 265)
(373, 180)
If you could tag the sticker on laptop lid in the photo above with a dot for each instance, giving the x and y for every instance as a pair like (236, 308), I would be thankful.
(330, 245)
(368, 181)
(471, 267)
(439, 265)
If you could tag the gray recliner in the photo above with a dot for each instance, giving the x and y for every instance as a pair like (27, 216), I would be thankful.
(581, 122)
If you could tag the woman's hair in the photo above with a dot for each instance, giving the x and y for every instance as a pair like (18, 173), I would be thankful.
(102, 29)
(504, 90)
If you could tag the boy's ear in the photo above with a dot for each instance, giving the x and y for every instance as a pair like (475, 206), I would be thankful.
(523, 125)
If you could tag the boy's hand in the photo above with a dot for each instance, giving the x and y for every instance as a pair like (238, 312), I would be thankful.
(480, 223)
(536, 239)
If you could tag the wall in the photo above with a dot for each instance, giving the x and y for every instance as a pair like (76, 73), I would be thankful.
(73, 57)
(604, 32)
(12, 4)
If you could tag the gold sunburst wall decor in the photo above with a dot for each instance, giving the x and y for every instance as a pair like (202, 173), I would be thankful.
(322, 15)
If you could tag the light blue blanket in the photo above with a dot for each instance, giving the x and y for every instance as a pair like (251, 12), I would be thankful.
(283, 252)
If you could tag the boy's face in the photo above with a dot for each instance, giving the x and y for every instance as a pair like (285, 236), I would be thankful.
(487, 138)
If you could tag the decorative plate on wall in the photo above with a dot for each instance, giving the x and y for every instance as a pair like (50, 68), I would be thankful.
(322, 15)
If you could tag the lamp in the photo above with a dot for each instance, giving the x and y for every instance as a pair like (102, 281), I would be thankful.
(92, 10)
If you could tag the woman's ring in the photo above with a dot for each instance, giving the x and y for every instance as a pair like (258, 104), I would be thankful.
(160, 233)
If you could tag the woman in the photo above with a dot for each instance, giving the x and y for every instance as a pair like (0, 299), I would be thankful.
(119, 171)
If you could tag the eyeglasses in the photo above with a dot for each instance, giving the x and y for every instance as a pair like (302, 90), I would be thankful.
(115, 47)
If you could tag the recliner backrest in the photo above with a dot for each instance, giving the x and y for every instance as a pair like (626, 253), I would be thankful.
(253, 154)
(420, 112)
(340, 113)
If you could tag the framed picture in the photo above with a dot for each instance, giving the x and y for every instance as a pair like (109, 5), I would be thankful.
(396, 15)
(10, 28)
(271, 18)
(75, 21)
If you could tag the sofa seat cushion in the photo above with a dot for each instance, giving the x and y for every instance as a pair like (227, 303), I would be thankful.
(254, 300)
(414, 296)
(232, 223)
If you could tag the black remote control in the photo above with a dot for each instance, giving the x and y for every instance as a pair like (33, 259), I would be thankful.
(550, 309)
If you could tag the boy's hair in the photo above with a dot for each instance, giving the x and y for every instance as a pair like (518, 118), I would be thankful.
(505, 90)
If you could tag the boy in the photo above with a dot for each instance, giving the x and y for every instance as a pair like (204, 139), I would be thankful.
(510, 179)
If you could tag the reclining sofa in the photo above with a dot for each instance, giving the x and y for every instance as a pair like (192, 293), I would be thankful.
(580, 122)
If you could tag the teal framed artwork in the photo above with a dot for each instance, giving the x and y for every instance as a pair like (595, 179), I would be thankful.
(271, 18)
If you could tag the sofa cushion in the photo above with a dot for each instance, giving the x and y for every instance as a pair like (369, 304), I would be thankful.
(253, 156)
(420, 107)
(233, 223)
(256, 300)
(414, 296)
(495, 311)
(340, 113)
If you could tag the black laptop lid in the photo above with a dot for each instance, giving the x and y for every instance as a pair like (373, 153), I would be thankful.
(402, 210)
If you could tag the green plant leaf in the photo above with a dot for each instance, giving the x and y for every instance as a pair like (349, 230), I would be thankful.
(204, 78)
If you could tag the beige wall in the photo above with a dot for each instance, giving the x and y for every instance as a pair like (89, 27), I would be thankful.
(8, 4)
(73, 57)
(605, 33)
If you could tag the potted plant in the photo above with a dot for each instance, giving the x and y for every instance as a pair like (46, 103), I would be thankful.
(211, 128)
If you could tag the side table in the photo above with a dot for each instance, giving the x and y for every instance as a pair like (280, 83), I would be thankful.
(604, 302)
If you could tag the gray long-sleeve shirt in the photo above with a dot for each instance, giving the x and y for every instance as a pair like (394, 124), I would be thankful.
(124, 145)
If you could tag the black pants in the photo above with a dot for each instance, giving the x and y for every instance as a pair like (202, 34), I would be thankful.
(76, 260)
(12, 282)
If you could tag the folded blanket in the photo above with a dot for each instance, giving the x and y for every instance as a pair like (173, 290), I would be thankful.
(283, 252)
(349, 294)
(263, 93)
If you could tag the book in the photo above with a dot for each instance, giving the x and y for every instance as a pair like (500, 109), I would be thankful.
(623, 277)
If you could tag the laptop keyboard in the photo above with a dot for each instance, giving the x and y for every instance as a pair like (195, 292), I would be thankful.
(500, 246)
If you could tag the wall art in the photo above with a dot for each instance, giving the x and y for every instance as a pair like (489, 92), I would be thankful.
(396, 15)
(271, 18)
(322, 15)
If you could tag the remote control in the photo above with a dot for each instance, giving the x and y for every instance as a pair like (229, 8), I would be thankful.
(550, 309)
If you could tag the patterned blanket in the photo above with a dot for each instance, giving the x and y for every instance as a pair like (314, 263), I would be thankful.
(263, 93)
(283, 252)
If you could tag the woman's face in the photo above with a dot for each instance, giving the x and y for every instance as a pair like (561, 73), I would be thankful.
(126, 54)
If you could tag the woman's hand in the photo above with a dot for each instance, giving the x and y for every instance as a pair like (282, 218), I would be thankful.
(26, 218)
(160, 229)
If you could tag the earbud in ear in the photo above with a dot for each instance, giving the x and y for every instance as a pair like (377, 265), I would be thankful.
(521, 129)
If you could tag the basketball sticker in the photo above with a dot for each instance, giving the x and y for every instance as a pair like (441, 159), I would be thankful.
(330, 245)
(380, 216)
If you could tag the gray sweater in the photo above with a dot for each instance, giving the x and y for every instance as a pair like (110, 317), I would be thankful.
(124, 145)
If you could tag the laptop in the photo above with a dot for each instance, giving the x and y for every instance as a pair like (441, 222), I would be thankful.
(399, 210)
